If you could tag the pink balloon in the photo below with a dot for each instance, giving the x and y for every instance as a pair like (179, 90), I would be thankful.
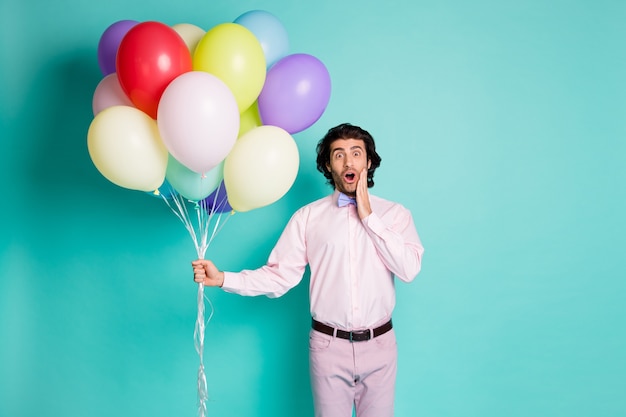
(198, 120)
(109, 93)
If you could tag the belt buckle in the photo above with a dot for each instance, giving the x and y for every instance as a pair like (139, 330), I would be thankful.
(361, 335)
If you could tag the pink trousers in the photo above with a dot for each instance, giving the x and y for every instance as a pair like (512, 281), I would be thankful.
(348, 374)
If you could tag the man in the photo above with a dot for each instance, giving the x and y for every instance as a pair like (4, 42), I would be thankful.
(355, 243)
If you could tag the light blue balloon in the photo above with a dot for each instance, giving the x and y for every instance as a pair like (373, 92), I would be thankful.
(269, 31)
(190, 184)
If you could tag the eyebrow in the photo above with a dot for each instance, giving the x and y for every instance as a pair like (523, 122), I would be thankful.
(342, 149)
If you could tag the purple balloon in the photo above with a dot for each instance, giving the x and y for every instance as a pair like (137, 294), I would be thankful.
(109, 42)
(217, 202)
(295, 94)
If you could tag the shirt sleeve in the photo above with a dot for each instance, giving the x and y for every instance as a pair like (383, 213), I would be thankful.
(284, 269)
(397, 242)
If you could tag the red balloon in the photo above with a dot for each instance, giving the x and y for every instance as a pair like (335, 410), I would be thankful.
(149, 57)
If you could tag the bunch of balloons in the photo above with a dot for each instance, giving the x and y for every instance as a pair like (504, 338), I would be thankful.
(183, 110)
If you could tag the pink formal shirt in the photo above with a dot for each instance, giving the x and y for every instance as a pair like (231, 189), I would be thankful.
(353, 262)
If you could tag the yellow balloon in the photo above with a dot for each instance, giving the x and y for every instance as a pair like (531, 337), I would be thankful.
(191, 34)
(261, 168)
(232, 53)
(249, 119)
(125, 146)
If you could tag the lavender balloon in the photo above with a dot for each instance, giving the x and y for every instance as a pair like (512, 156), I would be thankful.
(109, 42)
(295, 94)
(217, 202)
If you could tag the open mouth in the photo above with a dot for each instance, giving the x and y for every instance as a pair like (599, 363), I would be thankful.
(350, 177)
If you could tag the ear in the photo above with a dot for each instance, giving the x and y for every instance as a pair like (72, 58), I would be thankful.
(369, 163)
(328, 167)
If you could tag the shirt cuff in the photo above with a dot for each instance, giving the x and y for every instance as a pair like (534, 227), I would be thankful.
(232, 282)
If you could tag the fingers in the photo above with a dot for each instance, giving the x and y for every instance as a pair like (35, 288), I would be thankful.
(199, 270)
(199, 276)
(205, 272)
(361, 190)
(362, 195)
(359, 187)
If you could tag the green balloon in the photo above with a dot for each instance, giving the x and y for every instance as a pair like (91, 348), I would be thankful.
(190, 184)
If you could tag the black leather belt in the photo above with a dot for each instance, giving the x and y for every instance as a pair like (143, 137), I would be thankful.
(355, 335)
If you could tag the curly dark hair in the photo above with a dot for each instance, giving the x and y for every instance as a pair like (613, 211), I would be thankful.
(347, 131)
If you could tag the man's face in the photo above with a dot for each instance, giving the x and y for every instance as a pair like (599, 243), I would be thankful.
(347, 159)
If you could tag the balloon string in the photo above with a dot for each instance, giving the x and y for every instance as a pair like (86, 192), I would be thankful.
(178, 207)
(198, 335)
(202, 240)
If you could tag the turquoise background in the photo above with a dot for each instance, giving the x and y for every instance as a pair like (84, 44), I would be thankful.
(501, 126)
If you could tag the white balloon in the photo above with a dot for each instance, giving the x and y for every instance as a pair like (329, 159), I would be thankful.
(261, 168)
(198, 119)
(191, 34)
(125, 146)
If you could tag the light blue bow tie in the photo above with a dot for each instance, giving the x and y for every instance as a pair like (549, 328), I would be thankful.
(344, 200)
